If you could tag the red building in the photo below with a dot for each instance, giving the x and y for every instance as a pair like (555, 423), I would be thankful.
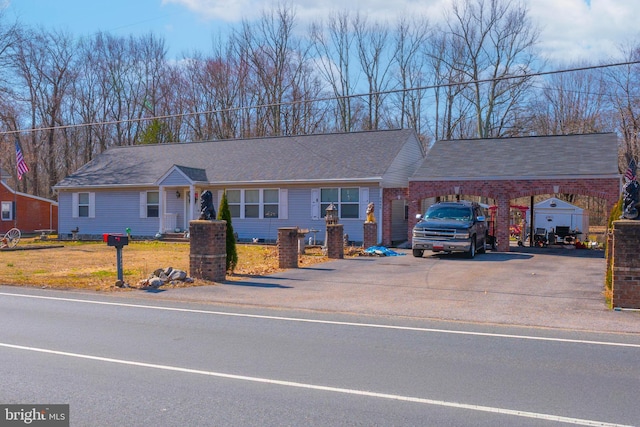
(25, 212)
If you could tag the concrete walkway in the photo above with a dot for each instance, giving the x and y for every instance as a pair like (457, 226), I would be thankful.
(555, 288)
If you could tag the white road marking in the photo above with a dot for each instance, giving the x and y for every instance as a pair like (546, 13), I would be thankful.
(327, 322)
(455, 405)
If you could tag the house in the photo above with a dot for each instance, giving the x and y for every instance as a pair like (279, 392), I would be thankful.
(270, 183)
(23, 211)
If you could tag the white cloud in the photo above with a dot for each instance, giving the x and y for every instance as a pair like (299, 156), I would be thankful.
(572, 30)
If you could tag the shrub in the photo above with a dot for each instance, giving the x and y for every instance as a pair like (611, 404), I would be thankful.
(225, 214)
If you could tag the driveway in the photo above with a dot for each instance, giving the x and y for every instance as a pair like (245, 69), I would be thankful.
(558, 288)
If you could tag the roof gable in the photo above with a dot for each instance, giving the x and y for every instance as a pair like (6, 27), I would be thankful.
(553, 203)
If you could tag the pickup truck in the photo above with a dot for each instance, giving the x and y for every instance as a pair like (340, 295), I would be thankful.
(451, 227)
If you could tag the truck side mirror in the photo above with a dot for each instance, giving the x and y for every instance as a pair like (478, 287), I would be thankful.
(418, 216)
(481, 218)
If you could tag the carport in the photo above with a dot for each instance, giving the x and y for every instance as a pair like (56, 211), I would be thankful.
(508, 168)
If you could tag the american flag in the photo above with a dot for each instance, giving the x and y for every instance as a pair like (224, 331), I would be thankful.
(630, 173)
(21, 165)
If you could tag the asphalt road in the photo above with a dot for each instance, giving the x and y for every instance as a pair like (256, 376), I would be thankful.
(147, 361)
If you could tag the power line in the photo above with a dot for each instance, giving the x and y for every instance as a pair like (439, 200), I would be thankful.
(329, 98)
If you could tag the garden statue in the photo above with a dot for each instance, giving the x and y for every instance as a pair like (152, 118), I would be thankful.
(207, 212)
(370, 217)
(631, 201)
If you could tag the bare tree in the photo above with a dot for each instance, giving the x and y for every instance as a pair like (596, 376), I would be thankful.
(334, 49)
(43, 62)
(624, 96)
(497, 39)
(570, 103)
(277, 61)
(375, 62)
(410, 38)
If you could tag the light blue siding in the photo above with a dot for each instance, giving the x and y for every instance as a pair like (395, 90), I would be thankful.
(114, 212)
(175, 178)
(117, 210)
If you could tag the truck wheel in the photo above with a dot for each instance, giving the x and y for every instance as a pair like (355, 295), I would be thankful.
(472, 249)
(418, 253)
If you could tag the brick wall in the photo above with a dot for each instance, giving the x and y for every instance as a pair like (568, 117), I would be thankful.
(287, 246)
(31, 213)
(626, 264)
(208, 250)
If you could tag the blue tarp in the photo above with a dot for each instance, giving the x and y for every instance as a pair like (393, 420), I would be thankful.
(381, 251)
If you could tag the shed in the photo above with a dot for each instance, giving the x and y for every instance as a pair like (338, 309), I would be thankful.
(552, 213)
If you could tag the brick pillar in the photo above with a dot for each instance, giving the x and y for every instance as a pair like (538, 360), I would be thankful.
(626, 264)
(334, 243)
(370, 234)
(288, 247)
(502, 224)
(208, 250)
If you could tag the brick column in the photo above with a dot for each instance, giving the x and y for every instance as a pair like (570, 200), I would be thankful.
(208, 250)
(334, 243)
(288, 247)
(626, 264)
(502, 224)
(370, 234)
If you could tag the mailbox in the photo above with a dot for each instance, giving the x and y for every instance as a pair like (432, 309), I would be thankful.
(117, 240)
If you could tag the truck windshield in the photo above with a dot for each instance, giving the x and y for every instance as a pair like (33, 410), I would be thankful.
(449, 212)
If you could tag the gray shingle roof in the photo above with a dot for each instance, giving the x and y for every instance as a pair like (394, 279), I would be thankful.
(349, 156)
(526, 157)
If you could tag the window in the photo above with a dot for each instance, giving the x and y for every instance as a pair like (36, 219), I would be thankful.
(270, 203)
(346, 200)
(83, 205)
(233, 200)
(153, 204)
(254, 203)
(7, 211)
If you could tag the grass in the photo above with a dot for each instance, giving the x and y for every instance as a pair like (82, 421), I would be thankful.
(92, 265)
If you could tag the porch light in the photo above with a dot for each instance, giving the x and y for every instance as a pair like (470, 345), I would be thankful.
(178, 194)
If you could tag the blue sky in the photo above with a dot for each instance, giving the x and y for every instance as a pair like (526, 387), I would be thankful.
(587, 30)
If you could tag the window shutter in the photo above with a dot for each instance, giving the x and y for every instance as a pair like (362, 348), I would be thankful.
(283, 204)
(74, 205)
(364, 201)
(315, 203)
(143, 204)
(92, 205)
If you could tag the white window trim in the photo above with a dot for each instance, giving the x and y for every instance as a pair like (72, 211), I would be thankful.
(283, 204)
(75, 204)
(4, 203)
(316, 202)
(143, 203)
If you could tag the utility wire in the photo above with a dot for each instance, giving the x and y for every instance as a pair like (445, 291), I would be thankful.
(329, 98)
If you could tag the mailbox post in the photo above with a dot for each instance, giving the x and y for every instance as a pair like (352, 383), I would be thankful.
(118, 241)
